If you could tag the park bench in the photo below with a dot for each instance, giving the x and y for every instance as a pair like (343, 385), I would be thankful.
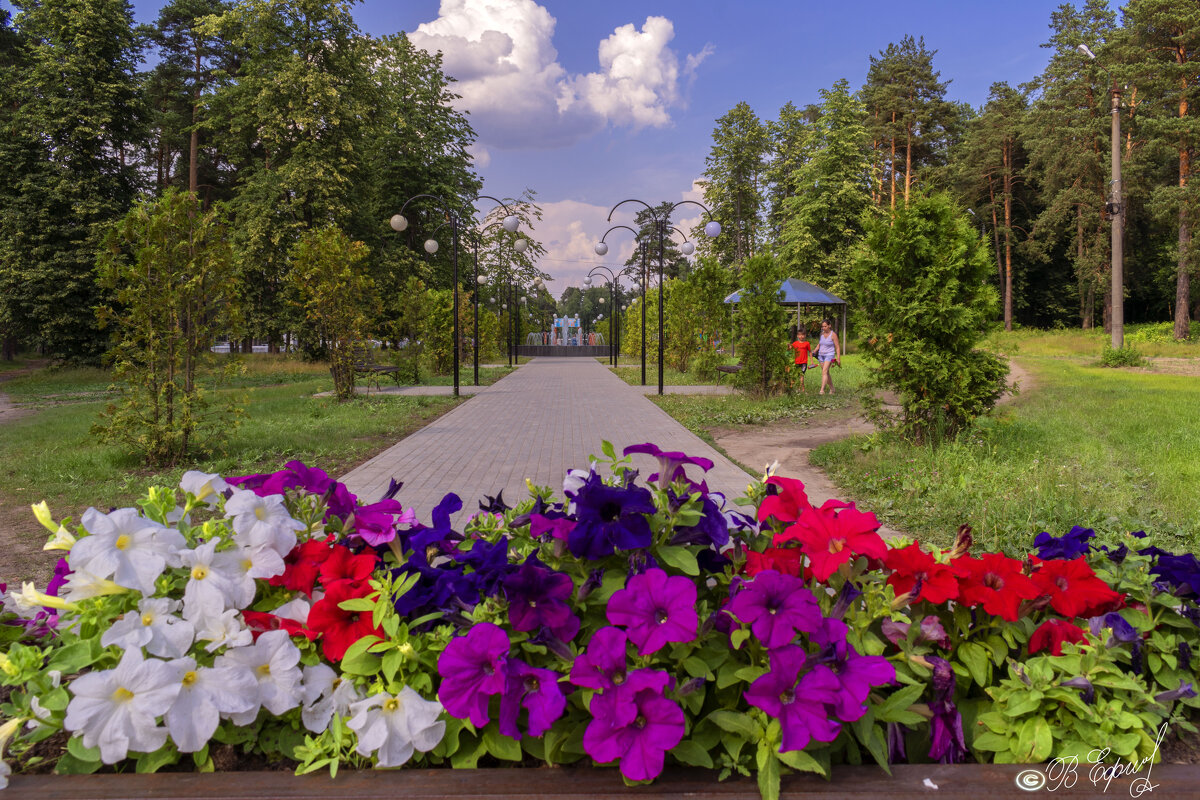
(730, 369)
(366, 366)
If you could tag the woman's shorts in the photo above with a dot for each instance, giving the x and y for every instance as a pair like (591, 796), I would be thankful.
(830, 358)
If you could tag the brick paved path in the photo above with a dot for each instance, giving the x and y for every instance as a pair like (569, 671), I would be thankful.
(536, 423)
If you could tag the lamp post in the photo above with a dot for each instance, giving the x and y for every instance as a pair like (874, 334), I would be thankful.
(399, 223)
(661, 225)
(1115, 209)
(510, 223)
(614, 291)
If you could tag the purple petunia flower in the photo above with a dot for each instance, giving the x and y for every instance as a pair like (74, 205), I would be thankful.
(1185, 690)
(655, 609)
(670, 462)
(947, 745)
(800, 702)
(776, 607)
(896, 744)
(1087, 693)
(1122, 631)
(609, 518)
(473, 669)
(538, 598)
(602, 665)
(1070, 545)
(535, 690)
(857, 674)
(635, 725)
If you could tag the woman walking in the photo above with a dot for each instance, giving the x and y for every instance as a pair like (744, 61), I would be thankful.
(829, 351)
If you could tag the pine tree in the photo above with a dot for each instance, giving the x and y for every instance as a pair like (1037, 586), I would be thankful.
(791, 137)
(734, 185)
(1067, 133)
(825, 218)
(69, 116)
(1166, 43)
(674, 262)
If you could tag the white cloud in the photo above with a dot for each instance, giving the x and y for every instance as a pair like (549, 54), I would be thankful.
(519, 96)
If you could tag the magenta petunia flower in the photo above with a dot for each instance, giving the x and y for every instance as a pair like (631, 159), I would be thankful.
(473, 669)
(376, 524)
(776, 607)
(603, 665)
(800, 702)
(655, 609)
(535, 690)
(670, 462)
(635, 725)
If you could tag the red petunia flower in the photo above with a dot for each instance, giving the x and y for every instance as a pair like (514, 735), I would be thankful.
(832, 534)
(912, 564)
(302, 566)
(1052, 633)
(340, 628)
(1074, 589)
(259, 622)
(995, 581)
(785, 560)
(787, 505)
(343, 565)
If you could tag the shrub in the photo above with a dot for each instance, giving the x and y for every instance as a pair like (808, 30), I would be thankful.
(337, 298)
(922, 293)
(170, 269)
(1124, 356)
(762, 325)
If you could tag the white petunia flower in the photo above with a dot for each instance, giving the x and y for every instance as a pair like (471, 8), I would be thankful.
(126, 547)
(262, 563)
(224, 630)
(273, 659)
(116, 709)
(6, 732)
(203, 486)
(62, 539)
(260, 522)
(206, 693)
(28, 601)
(83, 585)
(325, 694)
(295, 610)
(212, 587)
(395, 726)
(154, 628)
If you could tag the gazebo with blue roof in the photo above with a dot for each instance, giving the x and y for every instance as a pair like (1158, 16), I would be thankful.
(802, 294)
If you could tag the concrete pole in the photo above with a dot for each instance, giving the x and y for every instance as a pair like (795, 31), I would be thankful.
(1118, 227)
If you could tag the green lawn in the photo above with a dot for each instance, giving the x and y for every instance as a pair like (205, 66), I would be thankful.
(52, 455)
(1113, 450)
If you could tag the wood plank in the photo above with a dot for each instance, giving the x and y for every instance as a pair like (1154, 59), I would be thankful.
(577, 783)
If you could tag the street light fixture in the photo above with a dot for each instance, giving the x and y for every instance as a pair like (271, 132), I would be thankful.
(399, 223)
(712, 229)
(1115, 209)
(614, 346)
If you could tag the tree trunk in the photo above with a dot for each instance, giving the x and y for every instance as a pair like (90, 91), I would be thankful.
(995, 232)
(9, 346)
(892, 164)
(907, 160)
(1008, 266)
(194, 141)
(1182, 278)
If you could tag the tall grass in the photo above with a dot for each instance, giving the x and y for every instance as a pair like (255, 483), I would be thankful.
(1105, 449)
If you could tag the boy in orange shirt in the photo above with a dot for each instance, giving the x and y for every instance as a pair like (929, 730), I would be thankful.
(803, 350)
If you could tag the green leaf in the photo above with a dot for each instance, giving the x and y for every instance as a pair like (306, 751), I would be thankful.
(357, 604)
(696, 667)
(391, 663)
(468, 757)
(738, 637)
(737, 722)
(74, 657)
(692, 753)
(77, 749)
(501, 746)
(70, 765)
(978, 662)
(898, 702)
(1034, 740)
(153, 762)
(768, 773)
(802, 762)
(681, 558)
(994, 742)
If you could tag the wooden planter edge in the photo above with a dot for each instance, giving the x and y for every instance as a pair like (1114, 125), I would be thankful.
(577, 783)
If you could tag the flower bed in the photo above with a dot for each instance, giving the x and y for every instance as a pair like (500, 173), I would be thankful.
(637, 624)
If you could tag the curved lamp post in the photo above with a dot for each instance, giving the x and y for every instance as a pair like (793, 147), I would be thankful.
(712, 229)
(615, 290)
(510, 223)
(399, 223)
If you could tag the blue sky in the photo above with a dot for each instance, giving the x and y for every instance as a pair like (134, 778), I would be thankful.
(589, 103)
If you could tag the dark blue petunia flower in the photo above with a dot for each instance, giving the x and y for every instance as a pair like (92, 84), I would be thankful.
(609, 519)
(1122, 631)
(1070, 545)
(1087, 690)
(539, 598)
(712, 529)
(490, 562)
(1182, 572)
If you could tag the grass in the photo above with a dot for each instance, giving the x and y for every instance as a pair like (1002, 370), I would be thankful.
(53, 455)
(1107, 449)
(1152, 339)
